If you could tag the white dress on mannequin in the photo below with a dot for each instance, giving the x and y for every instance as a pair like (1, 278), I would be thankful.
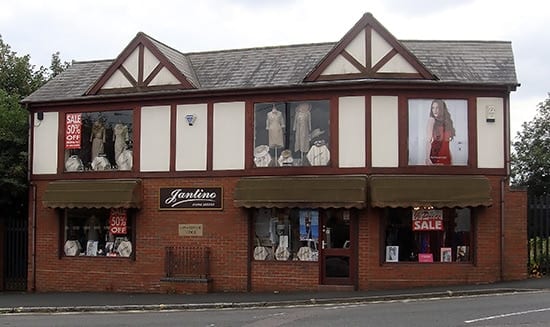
(275, 124)
(302, 127)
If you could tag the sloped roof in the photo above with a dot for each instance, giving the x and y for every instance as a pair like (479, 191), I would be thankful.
(452, 62)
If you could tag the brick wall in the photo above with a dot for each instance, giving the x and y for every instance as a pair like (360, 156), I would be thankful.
(225, 232)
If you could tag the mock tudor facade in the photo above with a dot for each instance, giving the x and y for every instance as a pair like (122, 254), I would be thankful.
(363, 164)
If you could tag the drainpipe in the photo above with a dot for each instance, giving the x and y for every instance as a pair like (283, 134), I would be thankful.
(505, 179)
(32, 192)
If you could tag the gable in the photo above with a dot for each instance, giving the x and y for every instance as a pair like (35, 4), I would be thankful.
(145, 65)
(368, 50)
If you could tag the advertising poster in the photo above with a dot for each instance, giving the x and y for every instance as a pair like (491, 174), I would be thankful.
(73, 131)
(438, 132)
(309, 225)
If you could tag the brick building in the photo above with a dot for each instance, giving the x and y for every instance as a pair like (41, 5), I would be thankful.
(363, 164)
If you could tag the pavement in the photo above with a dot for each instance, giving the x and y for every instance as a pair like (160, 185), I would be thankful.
(54, 302)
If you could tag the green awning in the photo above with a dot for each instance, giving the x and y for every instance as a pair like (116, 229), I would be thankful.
(93, 194)
(302, 192)
(422, 191)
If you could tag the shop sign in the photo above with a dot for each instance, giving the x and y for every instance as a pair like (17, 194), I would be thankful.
(194, 198)
(118, 221)
(427, 220)
(73, 131)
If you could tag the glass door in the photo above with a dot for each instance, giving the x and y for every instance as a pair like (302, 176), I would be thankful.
(336, 254)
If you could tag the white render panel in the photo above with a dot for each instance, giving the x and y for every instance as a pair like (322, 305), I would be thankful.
(380, 47)
(228, 136)
(191, 141)
(351, 132)
(164, 77)
(384, 131)
(117, 80)
(340, 65)
(45, 144)
(132, 64)
(490, 135)
(155, 138)
(357, 48)
(397, 64)
(149, 63)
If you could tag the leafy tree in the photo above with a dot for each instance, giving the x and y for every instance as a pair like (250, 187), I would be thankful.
(18, 79)
(531, 155)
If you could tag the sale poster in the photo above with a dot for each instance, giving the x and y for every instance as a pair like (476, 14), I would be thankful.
(427, 220)
(118, 221)
(73, 131)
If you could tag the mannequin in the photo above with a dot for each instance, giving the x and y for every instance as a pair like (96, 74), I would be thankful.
(120, 137)
(275, 125)
(97, 138)
(302, 127)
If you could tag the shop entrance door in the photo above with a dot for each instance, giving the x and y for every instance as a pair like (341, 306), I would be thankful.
(336, 254)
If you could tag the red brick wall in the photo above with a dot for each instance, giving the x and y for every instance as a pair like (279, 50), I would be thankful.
(226, 233)
(515, 235)
(284, 276)
(374, 273)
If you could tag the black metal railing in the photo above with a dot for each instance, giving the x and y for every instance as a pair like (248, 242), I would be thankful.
(539, 235)
(187, 261)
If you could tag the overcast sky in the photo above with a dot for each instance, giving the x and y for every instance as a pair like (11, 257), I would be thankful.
(100, 29)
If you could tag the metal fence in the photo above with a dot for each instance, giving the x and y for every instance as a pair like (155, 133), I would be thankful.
(539, 235)
(185, 261)
(15, 255)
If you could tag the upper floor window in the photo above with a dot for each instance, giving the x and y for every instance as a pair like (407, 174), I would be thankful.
(99, 141)
(292, 134)
(438, 132)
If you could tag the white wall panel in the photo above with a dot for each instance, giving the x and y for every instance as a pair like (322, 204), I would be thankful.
(351, 132)
(228, 136)
(385, 131)
(490, 135)
(45, 144)
(155, 139)
(191, 141)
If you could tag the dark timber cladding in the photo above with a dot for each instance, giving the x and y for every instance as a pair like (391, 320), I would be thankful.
(422, 191)
(302, 192)
(93, 194)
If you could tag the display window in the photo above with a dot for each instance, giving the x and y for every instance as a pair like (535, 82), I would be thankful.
(98, 232)
(289, 134)
(98, 141)
(286, 234)
(428, 235)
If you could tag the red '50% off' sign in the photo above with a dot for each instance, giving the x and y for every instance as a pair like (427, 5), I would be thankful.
(118, 221)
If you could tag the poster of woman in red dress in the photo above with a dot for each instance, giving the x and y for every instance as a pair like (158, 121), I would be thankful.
(438, 132)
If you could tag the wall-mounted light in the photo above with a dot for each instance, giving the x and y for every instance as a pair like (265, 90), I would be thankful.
(40, 115)
(191, 118)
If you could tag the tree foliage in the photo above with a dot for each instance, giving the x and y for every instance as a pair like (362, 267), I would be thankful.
(18, 79)
(531, 155)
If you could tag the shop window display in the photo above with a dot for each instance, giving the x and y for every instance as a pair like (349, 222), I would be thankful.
(98, 141)
(292, 134)
(428, 235)
(97, 232)
(286, 234)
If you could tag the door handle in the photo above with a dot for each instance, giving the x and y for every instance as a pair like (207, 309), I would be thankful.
(323, 244)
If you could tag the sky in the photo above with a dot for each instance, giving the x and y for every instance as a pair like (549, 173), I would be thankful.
(101, 29)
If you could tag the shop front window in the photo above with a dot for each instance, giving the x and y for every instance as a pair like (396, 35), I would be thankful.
(428, 235)
(289, 134)
(98, 141)
(286, 234)
(97, 232)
